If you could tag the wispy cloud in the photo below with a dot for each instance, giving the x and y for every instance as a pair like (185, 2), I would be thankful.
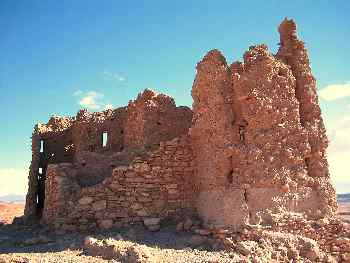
(335, 91)
(114, 76)
(92, 100)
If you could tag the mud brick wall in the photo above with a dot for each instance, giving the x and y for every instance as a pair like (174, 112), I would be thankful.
(154, 118)
(254, 146)
(258, 136)
(159, 185)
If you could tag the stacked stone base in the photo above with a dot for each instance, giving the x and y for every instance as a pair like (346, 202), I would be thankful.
(157, 186)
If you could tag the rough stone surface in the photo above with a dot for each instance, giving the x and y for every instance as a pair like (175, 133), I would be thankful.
(258, 136)
(252, 150)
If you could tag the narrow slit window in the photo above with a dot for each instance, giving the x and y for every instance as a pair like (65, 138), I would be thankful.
(241, 133)
(104, 139)
(41, 146)
(230, 177)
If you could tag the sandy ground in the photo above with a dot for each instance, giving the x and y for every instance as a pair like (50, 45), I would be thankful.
(25, 244)
(10, 210)
(344, 210)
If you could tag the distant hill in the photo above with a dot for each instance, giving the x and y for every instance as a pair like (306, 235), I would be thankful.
(343, 197)
(13, 198)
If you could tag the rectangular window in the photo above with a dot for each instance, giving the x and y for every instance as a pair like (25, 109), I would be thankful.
(104, 139)
(41, 146)
(40, 170)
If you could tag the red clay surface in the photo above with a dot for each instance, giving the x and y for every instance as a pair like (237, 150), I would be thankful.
(10, 210)
(344, 210)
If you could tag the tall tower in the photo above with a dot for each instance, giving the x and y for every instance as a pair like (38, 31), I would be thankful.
(258, 136)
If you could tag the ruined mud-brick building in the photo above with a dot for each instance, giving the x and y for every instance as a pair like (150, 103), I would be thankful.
(253, 145)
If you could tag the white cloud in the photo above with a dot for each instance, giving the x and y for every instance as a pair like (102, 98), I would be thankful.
(13, 181)
(339, 152)
(108, 106)
(335, 91)
(114, 76)
(91, 100)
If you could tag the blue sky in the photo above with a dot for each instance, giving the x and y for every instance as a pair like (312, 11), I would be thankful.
(59, 56)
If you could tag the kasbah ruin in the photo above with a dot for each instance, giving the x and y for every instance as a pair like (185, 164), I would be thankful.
(249, 157)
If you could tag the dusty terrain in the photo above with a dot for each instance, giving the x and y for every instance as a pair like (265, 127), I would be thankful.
(9, 210)
(137, 244)
(344, 209)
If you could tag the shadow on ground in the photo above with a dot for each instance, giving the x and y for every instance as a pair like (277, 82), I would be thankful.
(39, 239)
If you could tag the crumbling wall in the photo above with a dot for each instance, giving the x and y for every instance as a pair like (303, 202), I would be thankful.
(88, 129)
(254, 146)
(269, 160)
(293, 52)
(153, 118)
(212, 134)
(159, 185)
(258, 137)
(50, 144)
(130, 131)
(30, 210)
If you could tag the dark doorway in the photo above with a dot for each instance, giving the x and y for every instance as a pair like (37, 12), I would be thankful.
(41, 191)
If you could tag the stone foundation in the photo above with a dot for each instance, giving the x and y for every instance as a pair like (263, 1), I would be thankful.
(158, 185)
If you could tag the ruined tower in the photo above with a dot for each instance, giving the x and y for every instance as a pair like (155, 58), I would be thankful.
(258, 136)
(253, 148)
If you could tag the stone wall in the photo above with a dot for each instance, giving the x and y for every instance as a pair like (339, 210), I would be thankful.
(158, 185)
(154, 118)
(50, 144)
(131, 131)
(254, 146)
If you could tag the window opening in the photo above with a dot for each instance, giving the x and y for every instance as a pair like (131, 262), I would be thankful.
(241, 133)
(41, 146)
(104, 139)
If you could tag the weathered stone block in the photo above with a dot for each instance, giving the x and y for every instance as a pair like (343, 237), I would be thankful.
(85, 200)
(99, 205)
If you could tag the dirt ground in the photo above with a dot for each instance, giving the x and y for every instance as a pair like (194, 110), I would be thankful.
(38, 244)
(10, 210)
(344, 210)
(20, 244)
